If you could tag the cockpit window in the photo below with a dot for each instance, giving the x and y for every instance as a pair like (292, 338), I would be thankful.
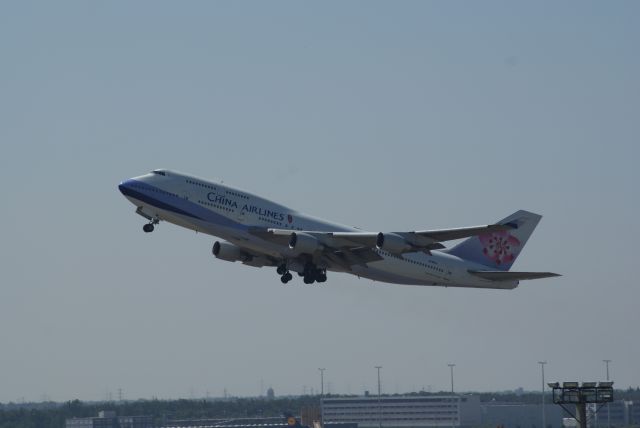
(158, 172)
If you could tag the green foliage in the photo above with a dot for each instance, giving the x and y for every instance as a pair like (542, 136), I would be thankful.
(27, 416)
(53, 415)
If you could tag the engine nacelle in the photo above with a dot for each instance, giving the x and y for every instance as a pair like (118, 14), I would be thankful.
(302, 243)
(395, 244)
(229, 252)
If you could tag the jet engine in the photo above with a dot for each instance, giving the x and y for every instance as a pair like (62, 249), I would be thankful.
(302, 243)
(395, 244)
(229, 252)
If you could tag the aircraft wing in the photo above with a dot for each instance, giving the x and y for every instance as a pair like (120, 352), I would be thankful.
(499, 275)
(358, 247)
(458, 233)
(427, 240)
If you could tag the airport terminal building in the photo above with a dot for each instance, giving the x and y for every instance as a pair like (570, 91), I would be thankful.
(404, 412)
(108, 419)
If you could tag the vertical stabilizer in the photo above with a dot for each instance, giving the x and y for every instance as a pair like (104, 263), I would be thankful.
(499, 250)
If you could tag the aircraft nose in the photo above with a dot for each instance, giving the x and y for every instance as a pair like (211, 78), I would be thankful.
(125, 186)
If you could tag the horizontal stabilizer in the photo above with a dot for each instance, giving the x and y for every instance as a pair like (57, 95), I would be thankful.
(499, 275)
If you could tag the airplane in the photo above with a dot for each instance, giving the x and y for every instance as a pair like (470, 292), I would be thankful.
(258, 232)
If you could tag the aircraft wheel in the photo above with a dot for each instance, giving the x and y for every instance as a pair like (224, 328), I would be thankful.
(148, 227)
(282, 269)
(322, 277)
(286, 277)
(308, 279)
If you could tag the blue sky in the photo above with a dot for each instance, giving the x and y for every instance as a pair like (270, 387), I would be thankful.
(384, 115)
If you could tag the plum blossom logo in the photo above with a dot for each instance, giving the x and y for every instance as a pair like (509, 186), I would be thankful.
(500, 247)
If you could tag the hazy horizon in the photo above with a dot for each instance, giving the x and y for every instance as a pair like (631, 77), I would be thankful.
(111, 396)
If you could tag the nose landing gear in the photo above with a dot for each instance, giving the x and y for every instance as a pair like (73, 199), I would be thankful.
(148, 228)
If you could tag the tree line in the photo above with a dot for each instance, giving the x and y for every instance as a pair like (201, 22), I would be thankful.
(53, 415)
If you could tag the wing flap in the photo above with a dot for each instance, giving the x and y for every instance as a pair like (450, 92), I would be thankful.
(277, 236)
(329, 239)
(354, 256)
(351, 239)
(499, 275)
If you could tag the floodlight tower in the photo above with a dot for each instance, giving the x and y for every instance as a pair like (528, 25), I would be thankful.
(580, 396)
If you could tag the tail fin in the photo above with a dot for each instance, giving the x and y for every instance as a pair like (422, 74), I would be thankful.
(499, 250)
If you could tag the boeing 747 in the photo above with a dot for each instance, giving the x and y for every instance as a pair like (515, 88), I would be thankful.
(258, 232)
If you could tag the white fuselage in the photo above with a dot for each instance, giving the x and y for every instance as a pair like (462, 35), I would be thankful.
(229, 213)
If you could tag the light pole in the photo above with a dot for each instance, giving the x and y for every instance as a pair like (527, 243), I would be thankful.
(322, 382)
(451, 366)
(321, 392)
(544, 421)
(606, 362)
(379, 403)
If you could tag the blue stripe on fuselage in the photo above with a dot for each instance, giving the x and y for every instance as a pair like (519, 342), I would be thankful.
(169, 202)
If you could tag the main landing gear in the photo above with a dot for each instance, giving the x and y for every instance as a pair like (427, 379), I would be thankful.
(313, 274)
(285, 275)
(148, 228)
(310, 274)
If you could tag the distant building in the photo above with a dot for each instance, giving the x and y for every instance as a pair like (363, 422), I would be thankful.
(270, 394)
(108, 419)
(241, 423)
(619, 413)
(404, 412)
(269, 422)
(521, 415)
(634, 413)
